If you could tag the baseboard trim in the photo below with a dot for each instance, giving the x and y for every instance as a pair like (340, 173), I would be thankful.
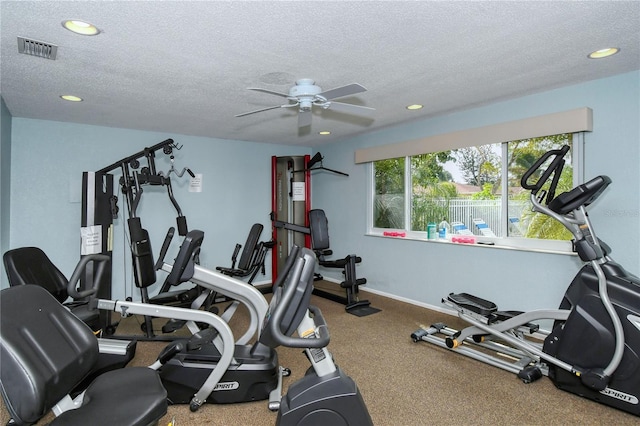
(400, 298)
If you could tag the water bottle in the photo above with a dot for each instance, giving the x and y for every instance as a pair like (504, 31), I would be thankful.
(431, 231)
(443, 229)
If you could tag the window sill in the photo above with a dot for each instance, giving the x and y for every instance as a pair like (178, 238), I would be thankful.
(513, 243)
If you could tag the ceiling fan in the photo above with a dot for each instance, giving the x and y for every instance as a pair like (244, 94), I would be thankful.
(305, 94)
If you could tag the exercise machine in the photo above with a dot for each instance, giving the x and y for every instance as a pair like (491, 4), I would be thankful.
(295, 223)
(318, 230)
(31, 266)
(593, 348)
(325, 395)
(290, 203)
(252, 258)
(133, 396)
(189, 368)
(100, 207)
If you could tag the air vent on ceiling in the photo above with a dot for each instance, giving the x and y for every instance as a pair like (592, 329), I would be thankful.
(37, 48)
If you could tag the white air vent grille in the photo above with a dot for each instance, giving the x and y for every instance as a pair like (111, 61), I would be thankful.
(37, 48)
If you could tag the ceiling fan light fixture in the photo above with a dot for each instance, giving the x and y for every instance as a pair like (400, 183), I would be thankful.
(603, 53)
(413, 107)
(305, 95)
(80, 27)
(71, 98)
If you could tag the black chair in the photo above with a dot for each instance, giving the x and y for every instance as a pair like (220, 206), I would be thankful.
(319, 230)
(252, 257)
(30, 265)
(46, 351)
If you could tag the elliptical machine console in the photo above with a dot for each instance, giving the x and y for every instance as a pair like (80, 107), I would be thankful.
(593, 348)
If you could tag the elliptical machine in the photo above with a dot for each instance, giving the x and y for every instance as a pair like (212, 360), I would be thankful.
(205, 369)
(593, 348)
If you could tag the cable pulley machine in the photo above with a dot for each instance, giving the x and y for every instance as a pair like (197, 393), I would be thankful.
(100, 207)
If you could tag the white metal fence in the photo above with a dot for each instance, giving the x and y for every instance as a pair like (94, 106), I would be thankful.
(459, 210)
(490, 211)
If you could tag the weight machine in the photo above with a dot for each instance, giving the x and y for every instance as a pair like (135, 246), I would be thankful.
(292, 219)
(100, 207)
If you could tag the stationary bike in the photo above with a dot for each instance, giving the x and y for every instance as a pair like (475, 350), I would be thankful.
(593, 349)
(326, 395)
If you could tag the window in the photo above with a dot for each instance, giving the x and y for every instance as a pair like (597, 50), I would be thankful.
(476, 189)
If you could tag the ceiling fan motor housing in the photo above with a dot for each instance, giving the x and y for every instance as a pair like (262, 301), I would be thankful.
(304, 87)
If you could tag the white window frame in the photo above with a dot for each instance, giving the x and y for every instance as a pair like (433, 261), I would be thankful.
(580, 120)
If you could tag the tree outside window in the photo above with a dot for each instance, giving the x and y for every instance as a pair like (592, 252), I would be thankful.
(464, 185)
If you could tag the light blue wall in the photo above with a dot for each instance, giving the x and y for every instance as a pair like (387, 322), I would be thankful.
(426, 272)
(48, 159)
(5, 184)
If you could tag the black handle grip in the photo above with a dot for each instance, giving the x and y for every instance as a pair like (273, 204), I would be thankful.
(102, 260)
(558, 153)
(165, 248)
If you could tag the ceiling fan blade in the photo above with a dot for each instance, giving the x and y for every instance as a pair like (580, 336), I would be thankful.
(260, 110)
(304, 118)
(350, 108)
(271, 92)
(339, 92)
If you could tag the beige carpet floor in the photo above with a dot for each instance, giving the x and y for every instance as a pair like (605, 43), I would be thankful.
(402, 382)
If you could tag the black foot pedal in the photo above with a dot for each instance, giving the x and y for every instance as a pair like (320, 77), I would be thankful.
(530, 374)
(417, 335)
(505, 315)
(173, 325)
(474, 304)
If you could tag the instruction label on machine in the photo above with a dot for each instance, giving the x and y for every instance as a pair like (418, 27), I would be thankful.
(317, 354)
(297, 191)
(195, 184)
(91, 239)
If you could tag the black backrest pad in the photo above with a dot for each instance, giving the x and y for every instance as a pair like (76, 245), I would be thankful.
(45, 351)
(319, 226)
(30, 265)
(250, 246)
(191, 243)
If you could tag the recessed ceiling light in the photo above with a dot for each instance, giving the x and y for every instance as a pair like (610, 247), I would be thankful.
(603, 53)
(414, 106)
(80, 27)
(324, 132)
(71, 98)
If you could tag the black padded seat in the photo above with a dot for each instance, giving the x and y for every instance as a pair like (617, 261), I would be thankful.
(136, 405)
(46, 351)
(30, 265)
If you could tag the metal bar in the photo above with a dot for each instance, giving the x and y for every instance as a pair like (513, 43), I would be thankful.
(135, 156)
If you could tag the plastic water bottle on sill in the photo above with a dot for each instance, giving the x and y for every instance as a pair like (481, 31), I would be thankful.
(444, 229)
(431, 231)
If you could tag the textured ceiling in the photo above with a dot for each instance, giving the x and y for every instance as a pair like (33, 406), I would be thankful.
(184, 67)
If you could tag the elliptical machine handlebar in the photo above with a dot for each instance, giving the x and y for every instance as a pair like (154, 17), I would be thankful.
(554, 168)
(102, 261)
(290, 304)
(165, 247)
(183, 266)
